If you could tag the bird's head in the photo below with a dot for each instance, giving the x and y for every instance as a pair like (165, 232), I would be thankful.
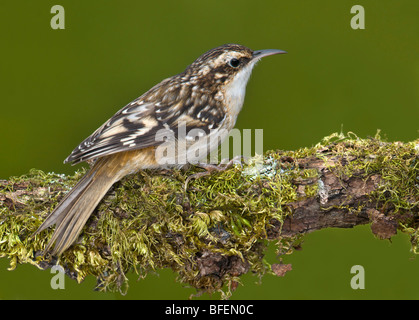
(227, 64)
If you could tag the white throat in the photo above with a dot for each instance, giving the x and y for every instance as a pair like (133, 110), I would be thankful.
(236, 90)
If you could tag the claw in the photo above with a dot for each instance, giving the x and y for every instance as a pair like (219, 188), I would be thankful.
(210, 168)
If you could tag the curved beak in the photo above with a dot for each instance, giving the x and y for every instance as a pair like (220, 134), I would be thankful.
(267, 52)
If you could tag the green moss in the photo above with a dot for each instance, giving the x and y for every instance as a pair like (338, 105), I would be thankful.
(149, 221)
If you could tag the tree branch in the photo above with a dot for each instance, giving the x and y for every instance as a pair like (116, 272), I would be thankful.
(214, 231)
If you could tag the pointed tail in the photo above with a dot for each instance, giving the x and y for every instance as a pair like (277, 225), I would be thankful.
(75, 209)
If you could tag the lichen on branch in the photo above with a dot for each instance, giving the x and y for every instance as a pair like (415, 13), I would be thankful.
(218, 228)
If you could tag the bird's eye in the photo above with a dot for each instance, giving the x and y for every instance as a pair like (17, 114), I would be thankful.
(234, 62)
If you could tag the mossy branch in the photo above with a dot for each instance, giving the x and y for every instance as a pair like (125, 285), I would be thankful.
(218, 228)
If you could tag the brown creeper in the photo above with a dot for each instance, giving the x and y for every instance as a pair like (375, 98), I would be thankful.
(207, 96)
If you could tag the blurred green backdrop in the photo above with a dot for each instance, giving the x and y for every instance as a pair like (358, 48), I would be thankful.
(58, 86)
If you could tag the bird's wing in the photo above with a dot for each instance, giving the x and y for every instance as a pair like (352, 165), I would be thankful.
(146, 121)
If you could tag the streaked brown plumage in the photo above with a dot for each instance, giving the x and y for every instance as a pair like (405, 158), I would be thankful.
(207, 96)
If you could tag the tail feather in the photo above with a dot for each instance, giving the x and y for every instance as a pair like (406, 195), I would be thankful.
(68, 229)
(65, 204)
(75, 209)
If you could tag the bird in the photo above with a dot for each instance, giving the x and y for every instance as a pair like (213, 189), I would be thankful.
(206, 97)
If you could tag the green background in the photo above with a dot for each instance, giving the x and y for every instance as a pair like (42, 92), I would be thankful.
(58, 86)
